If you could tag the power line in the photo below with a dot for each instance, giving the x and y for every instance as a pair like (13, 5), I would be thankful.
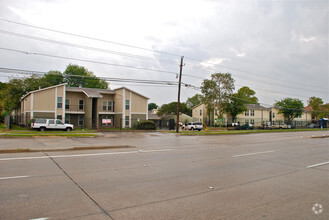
(89, 38)
(83, 60)
(131, 46)
(142, 81)
(261, 75)
(272, 83)
(87, 47)
(151, 83)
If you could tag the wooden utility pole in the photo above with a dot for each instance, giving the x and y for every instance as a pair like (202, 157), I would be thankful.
(179, 85)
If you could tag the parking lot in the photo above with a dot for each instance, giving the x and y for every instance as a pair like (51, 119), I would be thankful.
(167, 176)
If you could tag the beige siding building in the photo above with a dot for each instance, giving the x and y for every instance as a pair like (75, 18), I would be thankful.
(85, 107)
(256, 115)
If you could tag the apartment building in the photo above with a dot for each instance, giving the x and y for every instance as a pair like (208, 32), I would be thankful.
(85, 107)
(255, 114)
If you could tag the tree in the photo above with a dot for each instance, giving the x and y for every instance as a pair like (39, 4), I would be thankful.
(217, 91)
(152, 106)
(315, 103)
(239, 100)
(324, 111)
(53, 78)
(290, 108)
(76, 76)
(11, 94)
(171, 108)
(194, 101)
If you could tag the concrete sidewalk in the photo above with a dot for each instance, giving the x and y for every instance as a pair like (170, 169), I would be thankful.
(113, 140)
(110, 140)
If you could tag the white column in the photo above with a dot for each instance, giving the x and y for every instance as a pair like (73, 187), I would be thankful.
(130, 109)
(123, 108)
(32, 107)
(64, 103)
(55, 103)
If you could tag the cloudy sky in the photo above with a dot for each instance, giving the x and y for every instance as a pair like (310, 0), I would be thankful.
(279, 48)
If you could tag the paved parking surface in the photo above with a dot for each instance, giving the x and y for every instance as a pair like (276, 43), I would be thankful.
(164, 176)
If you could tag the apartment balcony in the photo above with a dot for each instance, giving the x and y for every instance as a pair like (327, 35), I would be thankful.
(75, 109)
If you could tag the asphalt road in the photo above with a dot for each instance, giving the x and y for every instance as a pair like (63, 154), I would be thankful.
(257, 176)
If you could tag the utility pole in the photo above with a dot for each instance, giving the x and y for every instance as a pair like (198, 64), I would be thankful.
(179, 85)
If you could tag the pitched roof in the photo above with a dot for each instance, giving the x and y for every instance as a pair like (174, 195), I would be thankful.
(131, 91)
(90, 92)
(255, 107)
(39, 90)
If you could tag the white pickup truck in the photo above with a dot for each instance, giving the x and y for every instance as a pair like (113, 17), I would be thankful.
(51, 124)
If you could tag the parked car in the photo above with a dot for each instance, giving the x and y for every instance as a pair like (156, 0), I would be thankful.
(312, 125)
(195, 126)
(42, 124)
(246, 126)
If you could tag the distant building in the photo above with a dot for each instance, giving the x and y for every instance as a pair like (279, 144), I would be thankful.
(255, 114)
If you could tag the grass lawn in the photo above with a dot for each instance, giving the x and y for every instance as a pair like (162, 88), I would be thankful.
(17, 131)
(227, 132)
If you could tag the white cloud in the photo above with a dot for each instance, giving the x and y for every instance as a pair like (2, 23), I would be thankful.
(212, 62)
(307, 39)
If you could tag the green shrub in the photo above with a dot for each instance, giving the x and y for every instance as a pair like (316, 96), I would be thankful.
(146, 125)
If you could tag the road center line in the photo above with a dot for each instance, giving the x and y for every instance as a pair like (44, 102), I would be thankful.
(85, 155)
(243, 155)
(13, 177)
(318, 164)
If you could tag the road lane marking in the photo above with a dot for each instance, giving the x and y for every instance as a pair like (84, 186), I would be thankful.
(85, 155)
(13, 177)
(44, 218)
(318, 164)
(243, 155)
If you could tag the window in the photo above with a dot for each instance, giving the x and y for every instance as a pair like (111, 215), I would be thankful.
(273, 115)
(246, 113)
(67, 119)
(104, 105)
(59, 102)
(216, 112)
(127, 104)
(80, 120)
(80, 104)
(67, 104)
(252, 121)
(51, 121)
(247, 121)
(252, 112)
(59, 122)
(59, 117)
(109, 105)
(200, 112)
(127, 121)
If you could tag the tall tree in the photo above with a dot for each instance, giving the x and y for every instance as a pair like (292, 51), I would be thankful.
(290, 108)
(152, 106)
(239, 100)
(76, 76)
(10, 95)
(171, 108)
(217, 91)
(316, 103)
(53, 78)
(194, 100)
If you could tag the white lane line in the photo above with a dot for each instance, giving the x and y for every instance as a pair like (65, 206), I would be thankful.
(84, 155)
(318, 164)
(243, 155)
(13, 177)
(44, 218)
